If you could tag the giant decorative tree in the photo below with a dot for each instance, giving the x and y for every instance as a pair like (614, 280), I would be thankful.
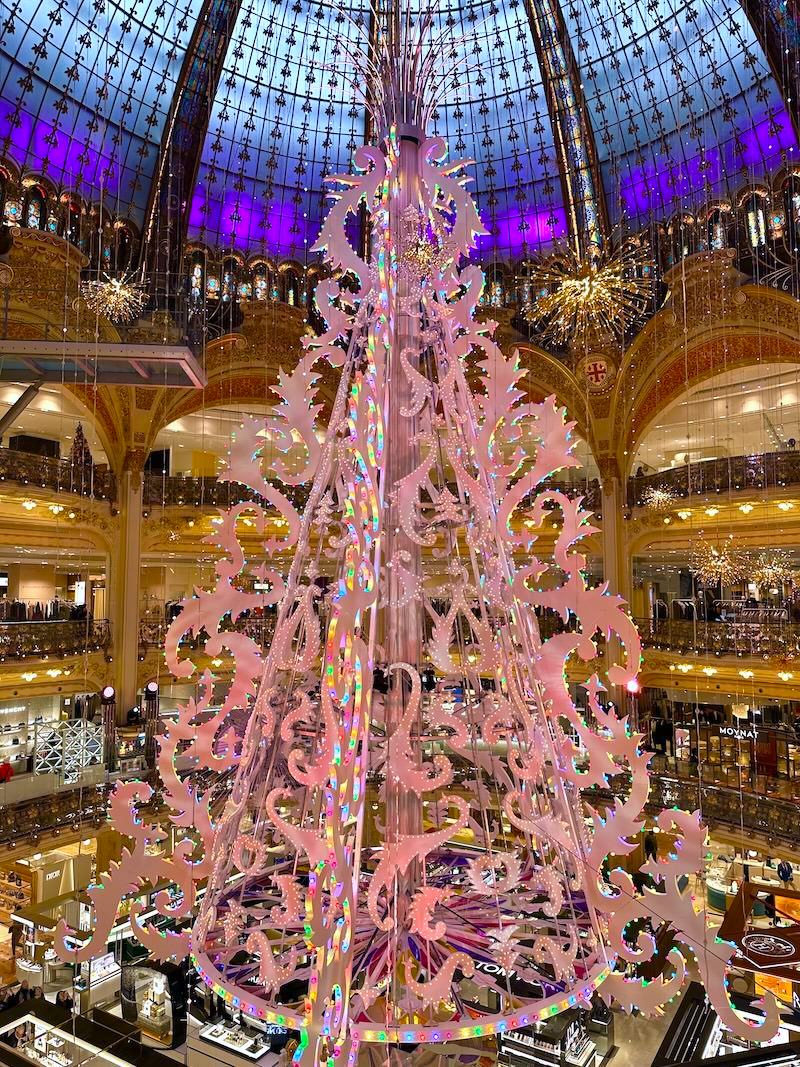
(373, 857)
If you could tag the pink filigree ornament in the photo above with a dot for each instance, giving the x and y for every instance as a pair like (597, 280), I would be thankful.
(365, 839)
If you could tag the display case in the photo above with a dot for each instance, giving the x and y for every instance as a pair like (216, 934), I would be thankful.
(97, 981)
(146, 993)
(243, 1041)
(15, 890)
(562, 1041)
(130, 755)
(18, 725)
(52, 1050)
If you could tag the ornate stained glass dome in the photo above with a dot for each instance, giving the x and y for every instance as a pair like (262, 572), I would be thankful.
(580, 115)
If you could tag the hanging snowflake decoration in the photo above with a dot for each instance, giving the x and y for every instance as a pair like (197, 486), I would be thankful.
(592, 294)
(772, 568)
(658, 498)
(117, 299)
(712, 564)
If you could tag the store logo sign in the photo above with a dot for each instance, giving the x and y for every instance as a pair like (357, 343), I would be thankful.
(51, 875)
(740, 733)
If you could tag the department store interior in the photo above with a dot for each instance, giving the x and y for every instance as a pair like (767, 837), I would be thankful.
(400, 533)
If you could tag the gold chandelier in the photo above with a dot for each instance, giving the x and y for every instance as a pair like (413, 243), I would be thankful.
(771, 568)
(597, 292)
(717, 563)
(118, 299)
(659, 498)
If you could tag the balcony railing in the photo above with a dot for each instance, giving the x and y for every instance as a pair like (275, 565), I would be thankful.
(766, 814)
(772, 816)
(153, 629)
(69, 810)
(721, 638)
(18, 640)
(46, 472)
(771, 470)
(162, 490)
(177, 489)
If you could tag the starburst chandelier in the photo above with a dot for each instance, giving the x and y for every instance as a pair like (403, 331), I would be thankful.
(599, 292)
(659, 498)
(771, 568)
(717, 563)
(118, 299)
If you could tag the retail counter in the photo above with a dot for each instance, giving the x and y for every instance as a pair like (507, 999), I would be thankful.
(725, 876)
(215, 1045)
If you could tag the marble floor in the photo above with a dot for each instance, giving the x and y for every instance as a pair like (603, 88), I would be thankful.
(638, 1039)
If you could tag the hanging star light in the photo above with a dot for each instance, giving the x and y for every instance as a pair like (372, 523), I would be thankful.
(659, 498)
(118, 299)
(594, 293)
(717, 563)
(772, 568)
(422, 246)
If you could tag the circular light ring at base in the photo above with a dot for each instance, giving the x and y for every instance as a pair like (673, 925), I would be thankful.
(455, 1030)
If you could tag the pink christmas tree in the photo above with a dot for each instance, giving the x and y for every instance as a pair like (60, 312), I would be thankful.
(371, 851)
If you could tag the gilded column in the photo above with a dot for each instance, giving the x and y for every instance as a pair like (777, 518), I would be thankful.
(125, 565)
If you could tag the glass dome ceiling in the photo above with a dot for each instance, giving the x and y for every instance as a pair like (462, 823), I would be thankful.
(677, 100)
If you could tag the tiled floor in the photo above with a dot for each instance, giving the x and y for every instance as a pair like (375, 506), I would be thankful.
(638, 1039)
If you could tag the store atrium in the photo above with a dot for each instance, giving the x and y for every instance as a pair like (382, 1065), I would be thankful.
(400, 533)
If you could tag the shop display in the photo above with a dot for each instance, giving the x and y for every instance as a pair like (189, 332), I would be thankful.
(68, 749)
(52, 1050)
(130, 751)
(97, 981)
(696, 1036)
(559, 1042)
(726, 873)
(235, 1039)
(18, 726)
(15, 890)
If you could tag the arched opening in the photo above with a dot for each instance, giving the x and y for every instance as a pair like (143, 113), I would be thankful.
(290, 286)
(260, 275)
(744, 412)
(196, 279)
(229, 289)
(73, 221)
(717, 229)
(752, 223)
(682, 235)
(791, 205)
(495, 289)
(123, 246)
(34, 208)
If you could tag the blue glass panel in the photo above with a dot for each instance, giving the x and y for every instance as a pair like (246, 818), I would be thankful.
(681, 99)
(283, 119)
(85, 88)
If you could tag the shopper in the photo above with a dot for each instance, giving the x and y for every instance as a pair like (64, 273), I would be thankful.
(23, 993)
(64, 1000)
(16, 1038)
(16, 937)
(38, 993)
(650, 846)
(770, 909)
(785, 873)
